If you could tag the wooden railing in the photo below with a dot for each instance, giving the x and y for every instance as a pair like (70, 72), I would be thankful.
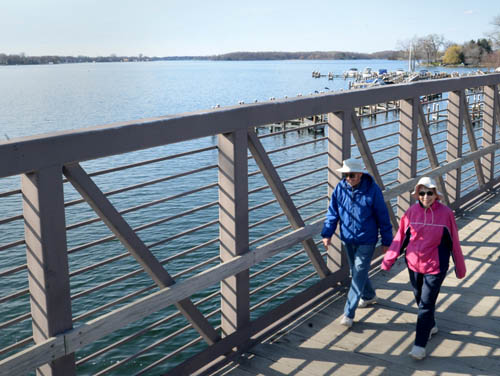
(398, 144)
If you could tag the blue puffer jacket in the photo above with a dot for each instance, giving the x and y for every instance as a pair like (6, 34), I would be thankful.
(361, 211)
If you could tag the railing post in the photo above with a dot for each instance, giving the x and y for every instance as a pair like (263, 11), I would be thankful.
(47, 261)
(454, 146)
(489, 122)
(339, 149)
(233, 219)
(408, 134)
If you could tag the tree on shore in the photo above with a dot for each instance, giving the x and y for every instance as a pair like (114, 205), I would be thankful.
(495, 34)
(453, 55)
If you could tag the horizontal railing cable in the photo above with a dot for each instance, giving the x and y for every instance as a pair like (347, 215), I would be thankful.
(301, 128)
(21, 343)
(144, 184)
(285, 290)
(291, 195)
(281, 214)
(151, 161)
(142, 331)
(10, 193)
(149, 204)
(316, 140)
(277, 263)
(183, 233)
(312, 156)
(288, 227)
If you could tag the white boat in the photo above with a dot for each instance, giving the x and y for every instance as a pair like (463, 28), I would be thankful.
(353, 72)
(367, 73)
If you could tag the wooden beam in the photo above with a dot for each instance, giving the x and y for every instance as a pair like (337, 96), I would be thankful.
(370, 164)
(34, 153)
(47, 262)
(454, 146)
(490, 120)
(233, 229)
(110, 216)
(472, 139)
(407, 162)
(431, 152)
(284, 199)
(339, 149)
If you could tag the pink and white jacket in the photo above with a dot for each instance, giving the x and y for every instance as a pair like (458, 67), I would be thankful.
(430, 236)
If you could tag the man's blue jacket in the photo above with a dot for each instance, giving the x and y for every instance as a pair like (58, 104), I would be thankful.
(361, 212)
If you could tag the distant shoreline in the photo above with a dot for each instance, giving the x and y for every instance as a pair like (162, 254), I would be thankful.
(233, 56)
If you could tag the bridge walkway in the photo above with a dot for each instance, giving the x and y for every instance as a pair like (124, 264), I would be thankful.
(468, 317)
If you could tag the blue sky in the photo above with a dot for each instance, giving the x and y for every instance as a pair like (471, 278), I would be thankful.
(202, 27)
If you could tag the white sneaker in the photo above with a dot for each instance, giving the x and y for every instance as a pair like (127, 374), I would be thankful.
(346, 321)
(365, 303)
(434, 330)
(417, 352)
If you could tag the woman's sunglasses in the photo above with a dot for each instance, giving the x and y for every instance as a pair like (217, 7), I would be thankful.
(352, 175)
(428, 193)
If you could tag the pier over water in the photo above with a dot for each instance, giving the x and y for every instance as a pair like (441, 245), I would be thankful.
(187, 298)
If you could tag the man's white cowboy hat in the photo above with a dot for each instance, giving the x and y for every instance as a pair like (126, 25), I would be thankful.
(352, 165)
(429, 183)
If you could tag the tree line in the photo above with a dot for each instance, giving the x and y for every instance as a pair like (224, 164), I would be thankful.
(433, 49)
(22, 59)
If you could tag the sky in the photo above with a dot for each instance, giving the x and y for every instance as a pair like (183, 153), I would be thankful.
(212, 27)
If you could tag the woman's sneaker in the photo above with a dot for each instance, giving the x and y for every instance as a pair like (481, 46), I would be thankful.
(434, 330)
(365, 303)
(417, 352)
(346, 321)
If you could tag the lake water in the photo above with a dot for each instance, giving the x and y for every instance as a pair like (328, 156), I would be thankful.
(48, 98)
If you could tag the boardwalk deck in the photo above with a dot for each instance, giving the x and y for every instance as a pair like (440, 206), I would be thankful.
(468, 316)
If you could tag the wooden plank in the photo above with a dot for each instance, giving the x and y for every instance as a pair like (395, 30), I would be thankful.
(454, 144)
(339, 149)
(431, 152)
(408, 135)
(47, 261)
(34, 153)
(25, 361)
(110, 216)
(284, 199)
(472, 139)
(489, 126)
(370, 164)
(233, 229)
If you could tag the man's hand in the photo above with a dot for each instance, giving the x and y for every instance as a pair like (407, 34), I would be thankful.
(326, 242)
(384, 248)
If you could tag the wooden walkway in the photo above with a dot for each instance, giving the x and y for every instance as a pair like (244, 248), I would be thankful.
(468, 317)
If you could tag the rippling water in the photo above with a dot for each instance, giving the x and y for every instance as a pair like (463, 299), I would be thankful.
(41, 99)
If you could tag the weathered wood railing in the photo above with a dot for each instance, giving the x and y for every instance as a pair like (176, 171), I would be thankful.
(43, 161)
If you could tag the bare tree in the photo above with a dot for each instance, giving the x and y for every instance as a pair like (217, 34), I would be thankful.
(430, 46)
(410, 44)
(495, 34)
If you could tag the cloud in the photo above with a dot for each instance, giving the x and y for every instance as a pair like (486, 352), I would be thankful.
(470, 11)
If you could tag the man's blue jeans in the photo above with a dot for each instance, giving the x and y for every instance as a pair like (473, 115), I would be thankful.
(360, 258)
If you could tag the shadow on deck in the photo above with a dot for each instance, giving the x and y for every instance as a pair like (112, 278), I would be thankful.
(468, 317)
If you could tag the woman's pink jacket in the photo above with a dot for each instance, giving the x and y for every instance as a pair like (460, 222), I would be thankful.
(427, 228)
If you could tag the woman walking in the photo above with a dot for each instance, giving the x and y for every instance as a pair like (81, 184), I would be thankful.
(429, 234)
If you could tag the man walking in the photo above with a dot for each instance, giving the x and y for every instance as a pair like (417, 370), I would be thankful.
(357, 202)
